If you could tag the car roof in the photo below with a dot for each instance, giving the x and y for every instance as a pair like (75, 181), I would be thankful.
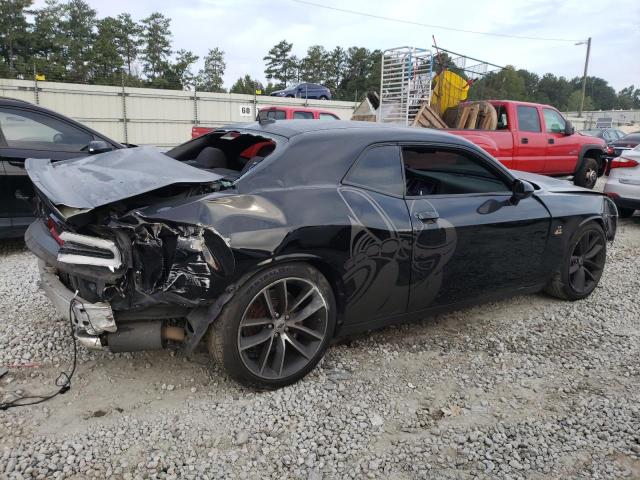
(380, 131)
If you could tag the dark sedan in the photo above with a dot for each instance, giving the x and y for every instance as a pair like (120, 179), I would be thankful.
(31, 131)
(625, 143)
(332, 228)
(607, 134)
(304, 90)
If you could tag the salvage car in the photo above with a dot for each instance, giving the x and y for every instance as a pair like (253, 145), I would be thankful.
(336, 228)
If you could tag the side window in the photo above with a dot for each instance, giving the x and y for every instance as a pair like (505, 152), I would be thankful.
(528, 119)
(298, 115)
(503, 122)
(328, 116)
(31, 130)
(280, 115)
(378, 169)
(435, 171)
(554, 121)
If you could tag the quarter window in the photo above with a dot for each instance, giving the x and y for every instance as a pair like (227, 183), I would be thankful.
(328, 116)
(555, 122)
(379, 169)
(528, 119)
(31, 130)
(435, 171)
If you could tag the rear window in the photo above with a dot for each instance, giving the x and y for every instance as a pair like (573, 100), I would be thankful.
(299, 115)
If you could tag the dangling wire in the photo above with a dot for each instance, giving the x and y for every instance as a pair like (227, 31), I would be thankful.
(63, 382)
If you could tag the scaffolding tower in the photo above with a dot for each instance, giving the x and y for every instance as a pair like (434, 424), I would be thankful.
(405, 83)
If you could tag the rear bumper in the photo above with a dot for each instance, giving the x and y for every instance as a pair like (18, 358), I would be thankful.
(93, 318)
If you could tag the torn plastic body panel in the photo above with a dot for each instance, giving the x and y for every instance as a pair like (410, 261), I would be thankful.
(173, 263)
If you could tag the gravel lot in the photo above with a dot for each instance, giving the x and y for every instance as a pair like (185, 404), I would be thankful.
(530, 387)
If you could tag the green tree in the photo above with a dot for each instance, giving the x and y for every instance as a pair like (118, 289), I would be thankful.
(180, 75)
(281, 65)
(314, 65)
(573, 102)
(361, 73)
(14, 37)
(335, 66)
(210, 77)
(603, 95)
(128, 39)
(156, 37)
(628, 98)
(246, 85)
(78, 28)
(106, 61)
(48, 40)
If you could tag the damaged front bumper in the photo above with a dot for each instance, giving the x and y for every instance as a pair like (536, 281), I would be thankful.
(89, 319)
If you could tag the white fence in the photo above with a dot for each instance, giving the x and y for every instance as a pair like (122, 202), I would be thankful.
(146, 116)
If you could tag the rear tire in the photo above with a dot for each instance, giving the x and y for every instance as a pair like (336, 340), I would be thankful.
(322, 97)
(265, 337)
(625, 212)
(587, 174)
(582, 264)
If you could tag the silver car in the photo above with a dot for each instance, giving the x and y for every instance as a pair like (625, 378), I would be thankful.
(623, 184)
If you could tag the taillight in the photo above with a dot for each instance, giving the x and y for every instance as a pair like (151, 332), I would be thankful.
(622, 162)
(53, 229)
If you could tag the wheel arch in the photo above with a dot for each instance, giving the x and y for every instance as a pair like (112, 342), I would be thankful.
(329, 271)
(591, 150)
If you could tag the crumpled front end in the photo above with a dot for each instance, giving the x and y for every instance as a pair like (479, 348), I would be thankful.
(130, 280)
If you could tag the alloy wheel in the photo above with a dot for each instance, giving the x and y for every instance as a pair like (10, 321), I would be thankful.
(591, 176)
(587, 262)
(283, 328)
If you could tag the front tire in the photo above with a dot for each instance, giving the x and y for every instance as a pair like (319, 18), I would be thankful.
(587, 174)
(582, 264)
(276, 328)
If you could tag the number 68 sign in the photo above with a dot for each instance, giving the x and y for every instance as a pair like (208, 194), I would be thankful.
(246, 111)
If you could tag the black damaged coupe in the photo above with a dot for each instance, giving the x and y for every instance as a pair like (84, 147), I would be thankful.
(269, 240)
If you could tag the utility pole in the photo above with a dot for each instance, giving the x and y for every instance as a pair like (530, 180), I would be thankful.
(584, 76)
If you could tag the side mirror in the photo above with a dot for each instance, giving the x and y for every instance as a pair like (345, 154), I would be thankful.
(568, 128)
(521, 189)
(98, 146)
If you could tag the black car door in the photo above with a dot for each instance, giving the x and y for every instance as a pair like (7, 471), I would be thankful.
(470, 239)
(378, 269)
(32, 134)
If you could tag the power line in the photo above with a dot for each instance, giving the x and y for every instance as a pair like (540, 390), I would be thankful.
(420, 24)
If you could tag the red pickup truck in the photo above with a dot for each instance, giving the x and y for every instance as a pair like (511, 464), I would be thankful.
(536, 138)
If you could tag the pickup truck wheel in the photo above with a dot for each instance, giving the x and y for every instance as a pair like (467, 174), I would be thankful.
(582, 264)
(276, 328)
(587, 174)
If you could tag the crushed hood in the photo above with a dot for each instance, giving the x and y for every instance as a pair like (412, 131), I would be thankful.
(89, 182)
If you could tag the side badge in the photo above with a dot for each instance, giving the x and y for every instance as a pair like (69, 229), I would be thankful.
(558, 230)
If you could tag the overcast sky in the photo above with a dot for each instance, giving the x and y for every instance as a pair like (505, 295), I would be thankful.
(246, 29)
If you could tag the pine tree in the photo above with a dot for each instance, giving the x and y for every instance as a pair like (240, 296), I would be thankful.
(157, 47)
(210, 77)
(14, 37)
(281, 65)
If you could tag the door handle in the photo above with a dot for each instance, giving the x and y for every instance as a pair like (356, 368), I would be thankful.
(16, 163)
(427, 216)
(525, 140)
(551, 141)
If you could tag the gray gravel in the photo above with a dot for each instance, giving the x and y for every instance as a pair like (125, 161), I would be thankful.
(530, 387)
